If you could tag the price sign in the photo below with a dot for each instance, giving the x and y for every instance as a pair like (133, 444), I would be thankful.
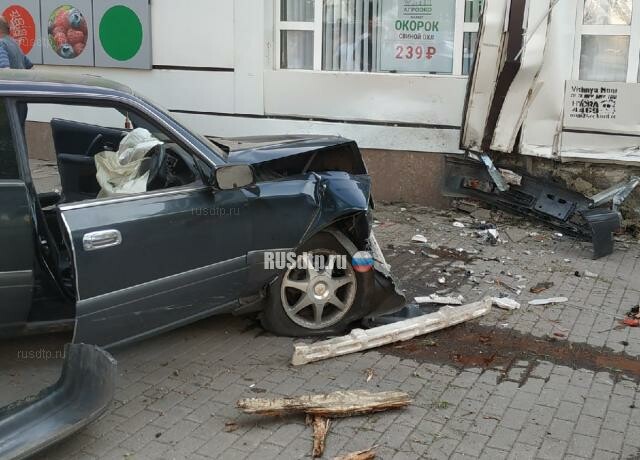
(417, 36)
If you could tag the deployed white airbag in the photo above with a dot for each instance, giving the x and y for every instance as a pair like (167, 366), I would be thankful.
(119, 172)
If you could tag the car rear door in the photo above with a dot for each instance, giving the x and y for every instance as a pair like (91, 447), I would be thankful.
(147, 263)
(17, 237)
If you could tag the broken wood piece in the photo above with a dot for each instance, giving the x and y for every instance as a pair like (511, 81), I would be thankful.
(320, 430)
(368, 454)
(401, 331)
(436, 299)
(338, 404)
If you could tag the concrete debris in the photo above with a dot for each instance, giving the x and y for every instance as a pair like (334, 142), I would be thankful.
(589, 274)
(510, 177)
(435, 299)
(482, 215)
(540, 302)
(359, 340)
(442, 280)
(419, 239)
(459, 225)
(505, 303)
(515, 234)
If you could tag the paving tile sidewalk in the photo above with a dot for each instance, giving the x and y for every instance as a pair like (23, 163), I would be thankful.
(176, 392)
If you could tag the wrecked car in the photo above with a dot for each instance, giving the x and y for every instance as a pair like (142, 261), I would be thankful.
(153, 226)
(192, 242)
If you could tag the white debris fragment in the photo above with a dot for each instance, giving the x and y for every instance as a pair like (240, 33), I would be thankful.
(403, 209)
(419, 239)
(505, 303)
(458, 225)
(433, 298)
(359, 340)
(510, 177)
(442, 280)
(589, 274)
(558, 235)
(538, 302)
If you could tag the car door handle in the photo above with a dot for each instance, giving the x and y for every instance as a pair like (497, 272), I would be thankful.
(101, 240)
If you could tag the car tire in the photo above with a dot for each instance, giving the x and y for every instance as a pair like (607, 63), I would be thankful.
(275, 317)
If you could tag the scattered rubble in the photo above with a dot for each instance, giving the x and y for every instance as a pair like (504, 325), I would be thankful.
(360, 339)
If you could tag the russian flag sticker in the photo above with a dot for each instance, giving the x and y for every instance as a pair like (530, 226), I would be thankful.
(362, 262)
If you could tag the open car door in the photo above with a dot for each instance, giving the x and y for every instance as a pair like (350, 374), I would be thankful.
(17, 249)
(17, 237)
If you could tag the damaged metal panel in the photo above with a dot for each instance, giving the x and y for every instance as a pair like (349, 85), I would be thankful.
(543, 200)
(83, 392)
(523, 88)
(482, 82)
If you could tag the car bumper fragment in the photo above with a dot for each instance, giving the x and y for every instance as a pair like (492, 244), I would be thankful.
(83, 392)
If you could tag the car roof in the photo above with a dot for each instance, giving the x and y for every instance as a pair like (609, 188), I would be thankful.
(55, 81)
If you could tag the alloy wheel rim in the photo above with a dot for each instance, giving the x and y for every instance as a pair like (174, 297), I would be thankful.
(316, 297)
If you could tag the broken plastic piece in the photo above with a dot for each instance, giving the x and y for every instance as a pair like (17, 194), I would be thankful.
(616, 194)
(83, 392)
(498, 179)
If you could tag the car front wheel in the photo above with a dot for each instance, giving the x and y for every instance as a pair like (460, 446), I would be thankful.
(319, 297)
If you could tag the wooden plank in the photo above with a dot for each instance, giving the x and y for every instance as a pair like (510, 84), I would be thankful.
(360, 340)
(338, 404)
(368, 454)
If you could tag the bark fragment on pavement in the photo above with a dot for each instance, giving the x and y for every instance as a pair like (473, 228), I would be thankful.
(338, 404)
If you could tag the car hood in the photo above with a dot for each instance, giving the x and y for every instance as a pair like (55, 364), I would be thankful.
(261, 149)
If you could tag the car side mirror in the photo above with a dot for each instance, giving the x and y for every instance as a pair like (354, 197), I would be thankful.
(234, 176)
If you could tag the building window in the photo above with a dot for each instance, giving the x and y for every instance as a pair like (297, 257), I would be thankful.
(608, 44)
(392, 36)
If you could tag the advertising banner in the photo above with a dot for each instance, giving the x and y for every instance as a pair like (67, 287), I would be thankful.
(67, 30)
(23, 17)
(417, 36)
(122, 33)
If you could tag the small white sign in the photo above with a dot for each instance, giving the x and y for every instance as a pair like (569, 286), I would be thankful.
(602, 107)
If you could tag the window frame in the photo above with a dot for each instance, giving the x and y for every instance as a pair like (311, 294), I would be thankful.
(461, 27)
(633, 60)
